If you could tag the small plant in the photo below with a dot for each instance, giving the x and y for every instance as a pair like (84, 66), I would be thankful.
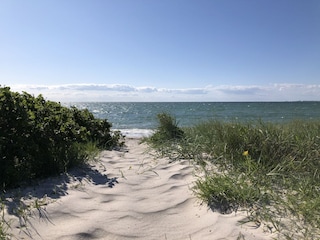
(4, 225)
(167, 130)
(166, 136)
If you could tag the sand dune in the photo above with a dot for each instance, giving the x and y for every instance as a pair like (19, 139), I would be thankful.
(126, 195)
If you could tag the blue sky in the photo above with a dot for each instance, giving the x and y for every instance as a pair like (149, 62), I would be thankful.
(168, 50)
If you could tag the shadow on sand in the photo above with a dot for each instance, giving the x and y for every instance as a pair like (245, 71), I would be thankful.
(30, 201)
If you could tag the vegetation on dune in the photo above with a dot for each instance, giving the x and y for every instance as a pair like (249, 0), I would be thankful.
(167, 131)
(40, 138)
(270, 170)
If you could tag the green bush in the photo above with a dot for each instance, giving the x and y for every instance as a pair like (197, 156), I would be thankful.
(39, 138)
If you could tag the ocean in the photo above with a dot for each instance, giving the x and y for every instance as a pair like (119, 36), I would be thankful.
(136, 119)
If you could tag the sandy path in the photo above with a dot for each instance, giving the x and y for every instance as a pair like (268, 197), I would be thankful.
(128, 195)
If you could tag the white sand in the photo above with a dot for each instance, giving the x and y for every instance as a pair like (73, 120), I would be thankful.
(127, 195)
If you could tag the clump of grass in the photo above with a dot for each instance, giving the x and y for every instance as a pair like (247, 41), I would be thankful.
(23, 208)
(167, 134)
(167, 130)
(269, 169)
(226, 193)
(4, 225)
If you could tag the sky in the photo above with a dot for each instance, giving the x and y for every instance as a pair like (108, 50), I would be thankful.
(168, 50)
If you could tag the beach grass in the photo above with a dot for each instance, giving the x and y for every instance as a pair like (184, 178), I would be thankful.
(271, 170)
(4, 224)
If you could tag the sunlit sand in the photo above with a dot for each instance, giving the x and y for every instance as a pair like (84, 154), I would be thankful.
(127, 195)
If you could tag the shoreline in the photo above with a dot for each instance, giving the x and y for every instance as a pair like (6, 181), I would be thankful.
(124, 195)
(136, 133)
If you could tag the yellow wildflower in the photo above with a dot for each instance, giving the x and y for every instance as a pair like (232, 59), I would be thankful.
(245, 153)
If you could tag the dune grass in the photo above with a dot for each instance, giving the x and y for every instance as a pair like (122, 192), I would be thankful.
(2, 222)
(271, 170)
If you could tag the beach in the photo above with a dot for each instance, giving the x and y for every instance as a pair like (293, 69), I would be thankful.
(126, 194)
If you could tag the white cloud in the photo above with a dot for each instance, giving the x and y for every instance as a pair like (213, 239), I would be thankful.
(185, 91)
(147, 89)
(241, 90)
(123, 92)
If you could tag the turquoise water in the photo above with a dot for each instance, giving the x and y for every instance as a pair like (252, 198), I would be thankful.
(140, 118)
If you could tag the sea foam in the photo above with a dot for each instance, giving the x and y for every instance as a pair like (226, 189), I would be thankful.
(136, 133)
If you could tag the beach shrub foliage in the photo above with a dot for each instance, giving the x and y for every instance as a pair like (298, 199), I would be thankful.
(270, 169)
(39, 138)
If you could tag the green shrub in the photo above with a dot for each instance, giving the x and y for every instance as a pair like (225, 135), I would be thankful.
(39, 138)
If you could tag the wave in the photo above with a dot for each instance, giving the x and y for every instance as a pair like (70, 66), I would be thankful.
(136, 132)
